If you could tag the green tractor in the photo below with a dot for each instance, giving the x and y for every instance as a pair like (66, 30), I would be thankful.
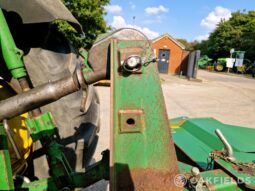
(220, 65)
(239, 65)
(49, 115)
(204, 61)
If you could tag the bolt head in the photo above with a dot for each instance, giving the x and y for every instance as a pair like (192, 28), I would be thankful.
(195, 171)
(132, 62)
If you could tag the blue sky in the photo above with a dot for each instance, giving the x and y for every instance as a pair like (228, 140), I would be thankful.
(192, 20)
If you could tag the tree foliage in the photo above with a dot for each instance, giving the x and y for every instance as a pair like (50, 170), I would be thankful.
(238, 33)
(90, 14)
(188, 45)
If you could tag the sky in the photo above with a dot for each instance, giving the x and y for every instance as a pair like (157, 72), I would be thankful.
(191, 20)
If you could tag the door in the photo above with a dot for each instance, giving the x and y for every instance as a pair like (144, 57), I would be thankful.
(163, 60)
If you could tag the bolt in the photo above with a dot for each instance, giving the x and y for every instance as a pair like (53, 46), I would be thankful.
(132, 63)
(195, 171)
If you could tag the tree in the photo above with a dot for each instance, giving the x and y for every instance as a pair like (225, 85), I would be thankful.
(238, 33)
(203, 46)
(90, 15)
(188, 45)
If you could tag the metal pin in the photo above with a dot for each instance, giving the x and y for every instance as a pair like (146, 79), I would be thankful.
(228, 147)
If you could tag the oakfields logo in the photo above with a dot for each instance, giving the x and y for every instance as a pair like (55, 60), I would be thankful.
(226, 180)
(180, 180)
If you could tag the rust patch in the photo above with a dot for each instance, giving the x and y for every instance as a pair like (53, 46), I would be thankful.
(244, 169)
(217, 152)
(131, 120)
(126, 52)
(147, 180)
(217, 172)
(240, 168)
(211, 187)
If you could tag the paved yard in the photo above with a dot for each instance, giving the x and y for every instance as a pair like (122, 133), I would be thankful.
(228, 98)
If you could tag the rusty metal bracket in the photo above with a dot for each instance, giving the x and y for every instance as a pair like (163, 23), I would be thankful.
(142, 152)
(131, 121)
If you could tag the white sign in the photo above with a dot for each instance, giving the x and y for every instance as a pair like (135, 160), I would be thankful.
(230, 62)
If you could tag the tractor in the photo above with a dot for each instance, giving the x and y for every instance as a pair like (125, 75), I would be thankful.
(245, 66)
(204, 62)
(49, 113)
(240, 63)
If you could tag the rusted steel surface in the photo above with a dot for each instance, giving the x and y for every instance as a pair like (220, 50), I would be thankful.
(245, 179)
(146, 179)
(131, 121)
(142, 151)
(244, 169)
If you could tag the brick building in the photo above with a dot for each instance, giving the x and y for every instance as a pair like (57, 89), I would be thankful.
(173, 57)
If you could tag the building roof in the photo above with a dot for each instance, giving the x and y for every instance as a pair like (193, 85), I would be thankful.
(171, 38)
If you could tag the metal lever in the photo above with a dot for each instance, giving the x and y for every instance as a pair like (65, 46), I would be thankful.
(228, 147)
(11, 139)
(86, 99)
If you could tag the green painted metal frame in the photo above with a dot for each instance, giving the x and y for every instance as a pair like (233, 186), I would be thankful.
(40, 126)
(195, 139)
(143, 156)
(11, 54)
(95, 173)
(6, 182)
(141, 149)
(43, 128)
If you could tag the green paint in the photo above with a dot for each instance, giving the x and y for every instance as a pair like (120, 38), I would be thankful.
(11, 54)
(146, 143)
(249, 181)
(184, 167)
(218, 180)
(6, 182)
(86, 66)
(60, 168)
(39, 185)
(41, 126)
(94, 173)
(197, 138)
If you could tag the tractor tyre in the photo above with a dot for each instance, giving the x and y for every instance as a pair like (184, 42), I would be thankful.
(52, 60)
(219, 68)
